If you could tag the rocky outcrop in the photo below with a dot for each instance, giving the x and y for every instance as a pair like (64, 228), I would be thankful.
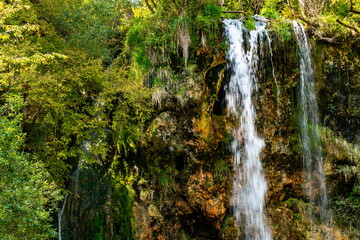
(178, 183)
(211, 199)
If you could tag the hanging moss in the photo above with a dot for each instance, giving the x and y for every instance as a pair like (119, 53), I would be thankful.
(123, 212)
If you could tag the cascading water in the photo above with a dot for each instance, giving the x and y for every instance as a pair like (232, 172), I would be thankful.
(85, 212)
(315, 187)
(273, 74)
(249, 186)
(75, 187)
(75, 180)
(60, 214)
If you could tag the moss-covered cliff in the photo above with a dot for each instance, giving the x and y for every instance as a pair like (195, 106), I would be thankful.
(179, 181)
(125, 112)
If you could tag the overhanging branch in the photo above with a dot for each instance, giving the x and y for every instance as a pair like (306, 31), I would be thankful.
(352, 8)
(234, 12)
(347, 26)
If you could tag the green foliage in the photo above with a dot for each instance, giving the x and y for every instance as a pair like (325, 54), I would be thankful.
(86, 25)
(277, 11)
(27, 194)
(285, 29)
(212, 11)
(247, 7)
(98, 225)
(208, 20)
(346, 211)
(62, 95)
(340, 8)
(71, 98)
(250, 23)
(164, 178)
(129, 100)
(154, 41)
(150, 42)
(345, 159)
(18, 53)
(10, 26)
(270, 10)
(329, 20)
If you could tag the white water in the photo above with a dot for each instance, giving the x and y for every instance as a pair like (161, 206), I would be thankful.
(75, 179)
(60, 216)
(315, 187)
(249, 186)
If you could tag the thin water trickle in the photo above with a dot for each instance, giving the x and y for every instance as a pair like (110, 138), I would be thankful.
(249, 186)
(75, 191)
(60, 214)
(315, 187)
(273, 74)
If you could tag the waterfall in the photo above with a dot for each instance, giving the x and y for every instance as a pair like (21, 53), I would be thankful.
(60, 214)
(249, 186)
(273, 74)
(315, 187)
(84, 212)
(75, 191)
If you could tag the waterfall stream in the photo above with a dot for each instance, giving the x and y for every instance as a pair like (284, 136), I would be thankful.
(60, 214)
(84, 210)
(249, 186)
(273, 74)
(75, 191)
(315, 187)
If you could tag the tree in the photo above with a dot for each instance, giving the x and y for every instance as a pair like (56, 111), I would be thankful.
(27, 195)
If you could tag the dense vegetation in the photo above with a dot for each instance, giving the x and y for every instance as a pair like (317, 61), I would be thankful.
(73, 71)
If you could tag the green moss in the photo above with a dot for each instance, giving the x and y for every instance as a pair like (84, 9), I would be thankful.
(123, 205)
(296, 204)
(295, 142)
(298, 217)
(220, 169)
(99, 226)
(183, 235)
(338, 149)
(164, 177)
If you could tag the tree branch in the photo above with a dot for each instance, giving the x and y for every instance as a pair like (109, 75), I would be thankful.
(312, 24)
(352, 8)
(354, 11)
(234, 12)
(149, 6)
(348, 26)
(154, 4)
(330, 40)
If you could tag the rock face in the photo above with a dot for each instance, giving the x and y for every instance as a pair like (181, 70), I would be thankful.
(178, 184)
(203, 194)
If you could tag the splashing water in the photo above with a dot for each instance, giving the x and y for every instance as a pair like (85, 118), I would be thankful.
(315, 187)
(249, 186)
